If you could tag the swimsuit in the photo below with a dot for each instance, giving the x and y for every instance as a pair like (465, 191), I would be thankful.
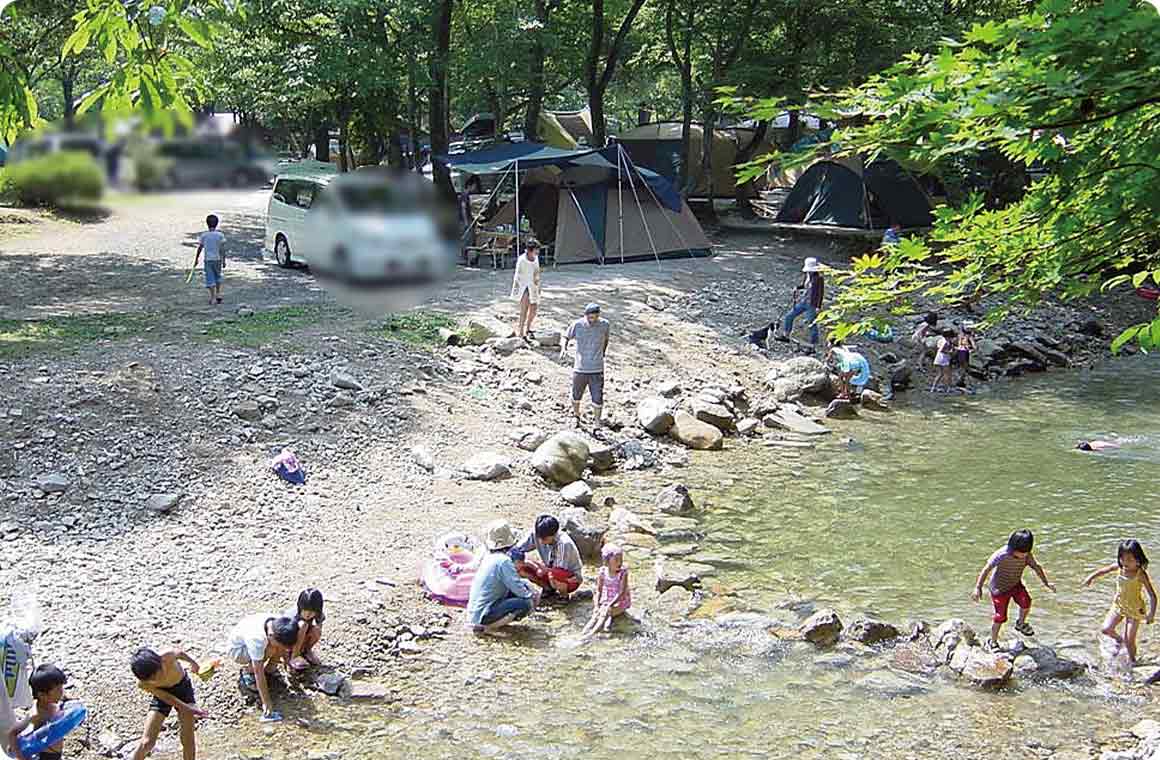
(183, 690)
(1129, 601)
(612, 587)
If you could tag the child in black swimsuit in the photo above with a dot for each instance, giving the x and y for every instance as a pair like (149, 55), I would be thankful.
(47, 683)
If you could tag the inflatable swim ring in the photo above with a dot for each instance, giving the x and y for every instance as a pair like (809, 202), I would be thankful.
(447, 576)
(882, 336)
(52, 732)
(1148, 293)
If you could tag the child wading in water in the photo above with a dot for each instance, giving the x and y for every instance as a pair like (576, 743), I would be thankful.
(1132, 581)
(613, 596)
(308, 617)
(1008, 565)
(212, 242)
(964, 345)
(942, 361)
(161, 676)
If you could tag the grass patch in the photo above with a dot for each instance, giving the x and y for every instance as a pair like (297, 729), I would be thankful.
(20, 337)
(262, 327)
(416, 328)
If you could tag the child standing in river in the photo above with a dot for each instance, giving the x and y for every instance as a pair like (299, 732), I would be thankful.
(1005, 567)
(1132, 580)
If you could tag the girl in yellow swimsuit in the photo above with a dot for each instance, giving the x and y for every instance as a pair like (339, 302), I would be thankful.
(1128, 605)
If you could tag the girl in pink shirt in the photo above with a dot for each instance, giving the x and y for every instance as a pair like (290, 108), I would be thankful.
(612, 593)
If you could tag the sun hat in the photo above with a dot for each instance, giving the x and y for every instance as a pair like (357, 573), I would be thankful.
(592, 308)
(811, 265)
(609, 551)
(499, 535)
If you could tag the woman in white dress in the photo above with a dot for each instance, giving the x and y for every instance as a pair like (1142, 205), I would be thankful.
(526, 288)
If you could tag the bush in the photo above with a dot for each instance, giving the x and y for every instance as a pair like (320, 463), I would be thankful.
(52, 179)
(150, 169)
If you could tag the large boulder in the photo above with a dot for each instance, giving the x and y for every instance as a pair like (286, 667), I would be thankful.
(801, 375)
(479, 330)
(901, 375)
(561, 459)
(981, 668)
(654, 415)
(822, 628)
(716, 414)
(584, 530)
(870, 631)
(695, 434)
(578, 494)
(487, 465)
(674, 499)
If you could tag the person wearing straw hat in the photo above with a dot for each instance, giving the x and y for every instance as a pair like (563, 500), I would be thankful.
(499, 596)
(808, 296)
(591, 334)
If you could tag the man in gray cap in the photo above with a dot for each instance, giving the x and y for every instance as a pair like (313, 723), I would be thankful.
(591, 335)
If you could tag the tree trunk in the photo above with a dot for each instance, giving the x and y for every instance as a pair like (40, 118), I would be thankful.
(395, 151)
(795, 125)
(747, 191)
(707, 133)
(437, 97)
(322, 143)
(67, 85)
(536, 74)
(596, 79)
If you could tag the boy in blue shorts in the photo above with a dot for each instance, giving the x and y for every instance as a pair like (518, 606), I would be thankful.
(213, 243)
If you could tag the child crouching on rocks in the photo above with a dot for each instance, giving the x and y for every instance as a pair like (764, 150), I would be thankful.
(258, 643)
(612, 596)
(308, 618)
(1007, 565)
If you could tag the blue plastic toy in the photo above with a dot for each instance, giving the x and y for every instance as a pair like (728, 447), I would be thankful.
(52, 732)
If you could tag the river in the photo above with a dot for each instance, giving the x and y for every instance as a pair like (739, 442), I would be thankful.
(895, 525)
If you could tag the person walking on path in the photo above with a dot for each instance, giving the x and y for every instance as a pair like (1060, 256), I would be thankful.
(212, 242)
(591, 333)
(807, 300)
(526, 289)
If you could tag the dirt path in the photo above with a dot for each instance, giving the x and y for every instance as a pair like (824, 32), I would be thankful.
(191, 405)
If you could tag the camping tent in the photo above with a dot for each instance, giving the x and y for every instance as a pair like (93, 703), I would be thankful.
(658, 147)
(566, 129)
(594, 205)
(839, 195)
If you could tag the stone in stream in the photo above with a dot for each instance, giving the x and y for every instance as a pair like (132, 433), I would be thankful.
(578, 494)
(840, 409)
(53, 483)
(687, 575)
(562, 458)
(654, 415)
(914, 657)
(901, 375)
(748, 425)
(887, 683)
(715, 414)
(332, 683)
(788, 419)
(487, 465)
(1042, 663)
(344, 380)
(796, 377)
(822, 628)
(585, 532)
(874, 400)
(674, 499)
(949, 635)
(695, 434)
(981, 668)
(527, 438)
(870, 631)
(364, 691)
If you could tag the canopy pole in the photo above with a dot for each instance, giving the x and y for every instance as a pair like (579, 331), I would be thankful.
(620, 203)
(643, 220)
(518, 251)
(494, 192)
(628, 161)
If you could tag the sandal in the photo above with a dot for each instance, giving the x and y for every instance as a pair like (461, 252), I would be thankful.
(1025, 628)
(247, 682)
(991, 646)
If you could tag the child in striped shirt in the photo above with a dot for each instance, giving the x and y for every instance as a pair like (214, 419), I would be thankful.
(1006, 568)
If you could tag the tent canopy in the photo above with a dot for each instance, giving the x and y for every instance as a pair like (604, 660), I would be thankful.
(836, 194)
(596, 205)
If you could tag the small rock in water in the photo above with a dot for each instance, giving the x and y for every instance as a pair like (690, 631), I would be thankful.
(330, 683)
(822, 628)
(674, 499)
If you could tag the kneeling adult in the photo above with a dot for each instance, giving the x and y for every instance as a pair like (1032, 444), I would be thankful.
(498, 596)
(559, 570)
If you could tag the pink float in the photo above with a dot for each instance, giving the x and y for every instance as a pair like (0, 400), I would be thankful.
(447, 576)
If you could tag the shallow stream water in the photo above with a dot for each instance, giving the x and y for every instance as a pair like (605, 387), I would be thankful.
(896, 525)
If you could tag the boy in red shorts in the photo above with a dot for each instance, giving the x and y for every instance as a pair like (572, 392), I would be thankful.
(559, 568)
(1007, 566)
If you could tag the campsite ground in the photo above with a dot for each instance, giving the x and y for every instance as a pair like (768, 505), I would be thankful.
(129, 391)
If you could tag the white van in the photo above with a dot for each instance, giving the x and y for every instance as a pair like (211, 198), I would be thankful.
(290, 203)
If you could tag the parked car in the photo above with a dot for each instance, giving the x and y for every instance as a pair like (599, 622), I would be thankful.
(59, 142)
(213, 162)
(368, 229)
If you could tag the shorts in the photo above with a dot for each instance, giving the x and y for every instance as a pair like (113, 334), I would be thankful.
(1000, 601)
(542, 576)
(183, 690)
(213, 272)
(593, 381)
(942, 360)
(962, 358)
